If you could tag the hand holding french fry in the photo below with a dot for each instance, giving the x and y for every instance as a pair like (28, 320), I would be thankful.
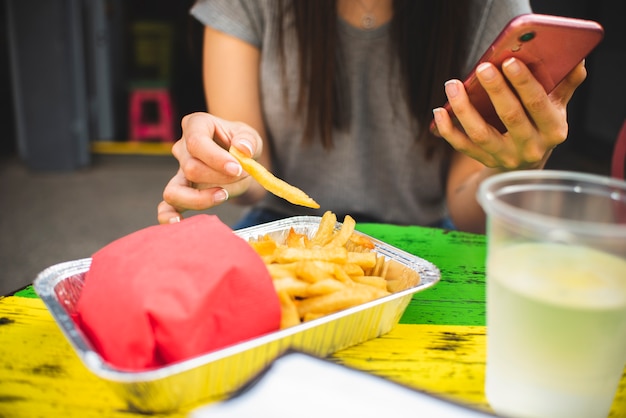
(209, 174)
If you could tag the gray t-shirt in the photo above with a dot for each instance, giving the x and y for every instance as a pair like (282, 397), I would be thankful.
(376, 168)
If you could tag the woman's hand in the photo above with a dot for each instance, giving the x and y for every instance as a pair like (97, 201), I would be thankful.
(208, 173)
(536, 122)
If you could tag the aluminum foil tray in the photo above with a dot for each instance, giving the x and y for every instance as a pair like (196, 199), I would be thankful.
(215, 375)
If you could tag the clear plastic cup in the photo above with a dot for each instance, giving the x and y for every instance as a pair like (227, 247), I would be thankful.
(556, 292)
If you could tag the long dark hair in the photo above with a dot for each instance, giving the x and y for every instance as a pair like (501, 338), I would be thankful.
(429, 38)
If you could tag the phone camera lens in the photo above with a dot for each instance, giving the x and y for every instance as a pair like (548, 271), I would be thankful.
(527, 37)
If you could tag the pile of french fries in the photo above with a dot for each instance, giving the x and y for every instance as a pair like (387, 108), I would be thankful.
(331, 271)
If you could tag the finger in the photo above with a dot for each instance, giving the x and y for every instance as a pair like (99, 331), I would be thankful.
(180, 194)
(484, 137)
(201, 154)
(458, 139)
(467, 115)
(447, 130)
(242, 137)
(505, 101)
(547, 116)
(564, 91)
(198, 172)
(167, 214)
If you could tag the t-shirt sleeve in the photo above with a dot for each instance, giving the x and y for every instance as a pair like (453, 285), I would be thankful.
(239, 18)
(489, 21)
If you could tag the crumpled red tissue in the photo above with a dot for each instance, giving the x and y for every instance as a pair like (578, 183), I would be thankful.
(168, 293)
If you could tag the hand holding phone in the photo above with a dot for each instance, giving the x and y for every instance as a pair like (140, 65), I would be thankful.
(550, 46)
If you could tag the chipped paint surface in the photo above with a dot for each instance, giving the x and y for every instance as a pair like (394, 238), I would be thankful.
(438, 347)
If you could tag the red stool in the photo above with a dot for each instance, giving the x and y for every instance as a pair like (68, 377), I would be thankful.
(151, 114)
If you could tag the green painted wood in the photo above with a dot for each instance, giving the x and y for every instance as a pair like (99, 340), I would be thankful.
(459, 297)
(27, 292)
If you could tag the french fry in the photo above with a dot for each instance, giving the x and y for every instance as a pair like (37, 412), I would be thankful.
(341, 275)
(358, 242)
(264, 247)
(352, 269)
(288, 312)
(289, 255)
(278, 271)
(291, 286)
(296, 240)
(272, 183)
(399, 277)
(347, 228)
(309, 316)
(324, 287)
(325, 231)
(337, 301)
(365, 260)
(314, 270)
(377, 269)
(374, 281)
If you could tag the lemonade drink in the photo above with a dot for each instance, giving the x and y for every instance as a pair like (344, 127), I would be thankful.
(556, 330)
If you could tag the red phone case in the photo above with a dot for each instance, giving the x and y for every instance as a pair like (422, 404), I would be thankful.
(551, 46)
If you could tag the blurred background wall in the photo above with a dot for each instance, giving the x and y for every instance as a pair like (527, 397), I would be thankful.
(68, 66)
(598, 109)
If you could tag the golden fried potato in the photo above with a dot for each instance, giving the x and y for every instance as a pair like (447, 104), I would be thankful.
(289, 313)
(272, 183)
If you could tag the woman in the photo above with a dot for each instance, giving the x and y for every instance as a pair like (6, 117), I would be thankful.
(335, 97)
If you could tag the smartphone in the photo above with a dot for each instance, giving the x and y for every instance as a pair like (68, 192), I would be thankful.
(551, 46)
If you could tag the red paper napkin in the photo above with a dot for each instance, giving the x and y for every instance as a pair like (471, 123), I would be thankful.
(171, 292)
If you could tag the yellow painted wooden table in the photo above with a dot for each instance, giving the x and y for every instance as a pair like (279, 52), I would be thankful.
(439, 345)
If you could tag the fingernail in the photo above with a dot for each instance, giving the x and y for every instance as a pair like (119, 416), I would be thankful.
(512, 66)
(486, 71)
(174, 220)
(220, 196)
(247, 145)
(437, 114)
(452, 88)
(233, 168)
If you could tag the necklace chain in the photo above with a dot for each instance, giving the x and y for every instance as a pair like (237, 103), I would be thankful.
(368, 21)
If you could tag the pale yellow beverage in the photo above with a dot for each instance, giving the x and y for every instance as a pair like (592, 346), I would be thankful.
(556, 325)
